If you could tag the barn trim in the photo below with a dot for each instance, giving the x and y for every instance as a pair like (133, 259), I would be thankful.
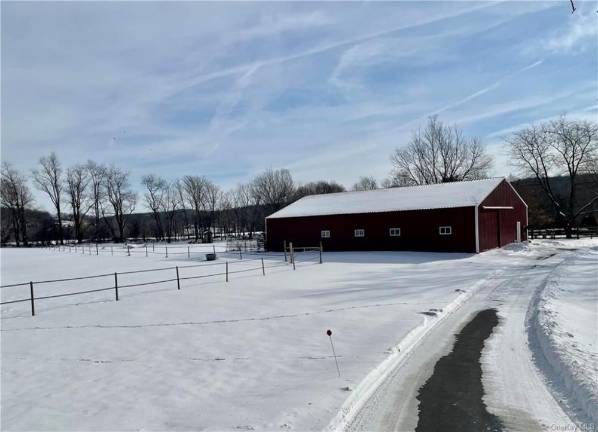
(516, 193)
(477, 229)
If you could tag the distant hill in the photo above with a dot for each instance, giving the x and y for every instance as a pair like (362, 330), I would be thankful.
(541, 212)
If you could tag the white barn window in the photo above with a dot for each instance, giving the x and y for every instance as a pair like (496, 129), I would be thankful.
(359, 233)
(325, 234)
(445, 230)
(394, 232)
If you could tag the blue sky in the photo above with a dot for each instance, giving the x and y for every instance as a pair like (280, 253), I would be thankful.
(327, 90)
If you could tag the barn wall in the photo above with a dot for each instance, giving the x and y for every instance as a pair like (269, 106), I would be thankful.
(419, 231)
(489, 220)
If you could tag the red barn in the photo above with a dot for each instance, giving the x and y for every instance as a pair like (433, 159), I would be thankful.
(471, 216)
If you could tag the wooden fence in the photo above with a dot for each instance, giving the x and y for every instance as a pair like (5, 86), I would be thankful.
(554, 233)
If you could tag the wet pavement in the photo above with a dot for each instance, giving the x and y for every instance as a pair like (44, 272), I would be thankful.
(451, 400)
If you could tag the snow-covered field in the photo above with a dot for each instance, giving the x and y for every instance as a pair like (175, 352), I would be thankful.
(248, 354)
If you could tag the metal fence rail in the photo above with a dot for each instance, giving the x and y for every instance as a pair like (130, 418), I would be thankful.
(32, 298)
(97, 249)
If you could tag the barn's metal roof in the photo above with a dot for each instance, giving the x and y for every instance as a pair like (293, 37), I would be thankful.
(445, 195)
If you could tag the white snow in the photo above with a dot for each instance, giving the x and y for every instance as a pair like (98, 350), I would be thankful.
(446, 195)
(527, 358)
(566, 327)
(397, 354)
(248, 354)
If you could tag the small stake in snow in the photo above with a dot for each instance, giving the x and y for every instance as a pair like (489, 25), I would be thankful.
(329, 333)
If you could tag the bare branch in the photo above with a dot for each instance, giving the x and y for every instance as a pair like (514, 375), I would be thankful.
(438, 154)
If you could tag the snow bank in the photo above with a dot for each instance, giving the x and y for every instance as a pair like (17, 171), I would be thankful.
(517, 247)
(565, 325)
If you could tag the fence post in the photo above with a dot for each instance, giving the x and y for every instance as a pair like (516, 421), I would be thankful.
(284, 247)
(320, 252)
(90, 249)
(153, 247)
(240, 254)
(32, 299)
(146, 250)
(128, 251)
(214, 249)
(188, 253)
(111, 251)
(116, 285)
(178, 282)
(292, 254)
(97, 250)
(227, 271)
(263, 269)
(166, 251)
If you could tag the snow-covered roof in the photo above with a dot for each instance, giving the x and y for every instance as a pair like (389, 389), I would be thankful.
(445, 195)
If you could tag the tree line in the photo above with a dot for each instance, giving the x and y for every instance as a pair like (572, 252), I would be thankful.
(98, 201)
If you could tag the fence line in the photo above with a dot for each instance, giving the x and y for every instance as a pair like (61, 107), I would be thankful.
(553, 233)
(32, 298)
(60, 280)
(166, 253)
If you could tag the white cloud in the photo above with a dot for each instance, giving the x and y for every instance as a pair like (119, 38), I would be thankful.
(580, 33)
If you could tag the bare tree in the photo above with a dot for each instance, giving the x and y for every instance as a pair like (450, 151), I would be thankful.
(243, 209)
(390, 182)
(48, 179)
(77, 184)
(559, 147)
(180, 189)
(227, 216)
(194, 187)
(121, 198)
(170, 204)
(439, 154)
(318, 187)
(154, 198)
(365, 183)
(273, 189)
(210, 204)
(16, 196)
(97, 193)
